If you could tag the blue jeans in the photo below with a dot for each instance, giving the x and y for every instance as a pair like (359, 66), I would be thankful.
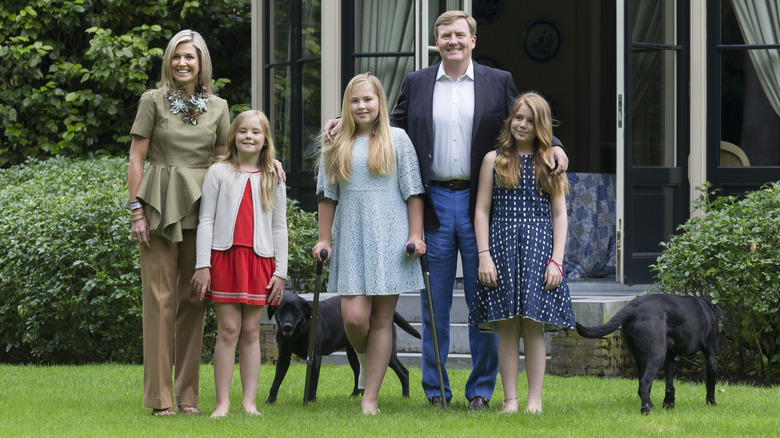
(456, 233)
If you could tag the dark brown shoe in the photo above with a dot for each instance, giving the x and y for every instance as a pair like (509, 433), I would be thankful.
(436, 401)
(478, 403)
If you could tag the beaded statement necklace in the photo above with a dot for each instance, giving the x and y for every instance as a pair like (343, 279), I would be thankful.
(190, 108)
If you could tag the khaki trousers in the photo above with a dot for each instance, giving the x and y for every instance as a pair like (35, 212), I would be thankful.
(172, 322)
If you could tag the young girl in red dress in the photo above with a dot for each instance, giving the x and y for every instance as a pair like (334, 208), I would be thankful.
(241, 251)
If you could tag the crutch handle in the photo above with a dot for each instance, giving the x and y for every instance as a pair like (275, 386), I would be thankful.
(423, 258)
(323, 256)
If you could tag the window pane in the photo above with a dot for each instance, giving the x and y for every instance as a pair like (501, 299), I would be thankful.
(654, 21)
(750, 126)
(390, 71)
(729, 27)
(654, 98)
(311, 30)
(280, 36)
(382, 26)
(280, 115)
(311, 110)
(385, 27)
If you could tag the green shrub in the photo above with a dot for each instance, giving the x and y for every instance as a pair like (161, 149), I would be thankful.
(70, 287)
(731, 256)
(73, 70)
(68, 269)
(302, 236)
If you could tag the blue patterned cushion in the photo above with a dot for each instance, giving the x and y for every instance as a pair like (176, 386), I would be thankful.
(590, 242)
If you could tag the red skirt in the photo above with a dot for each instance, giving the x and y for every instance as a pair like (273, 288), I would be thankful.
(240, 276)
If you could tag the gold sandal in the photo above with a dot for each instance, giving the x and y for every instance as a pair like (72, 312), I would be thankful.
(189, 410)
(163, 412)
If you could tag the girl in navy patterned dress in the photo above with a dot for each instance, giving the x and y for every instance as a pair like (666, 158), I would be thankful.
(520, 224)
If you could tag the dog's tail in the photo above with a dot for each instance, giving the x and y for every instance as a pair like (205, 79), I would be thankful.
(613, 324)
(405, 326)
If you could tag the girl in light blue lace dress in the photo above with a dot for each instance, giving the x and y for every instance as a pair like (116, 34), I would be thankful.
(368, 183)
(520, 224)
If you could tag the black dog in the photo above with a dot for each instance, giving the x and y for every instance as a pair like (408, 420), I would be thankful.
(657, 328)
(293, 320)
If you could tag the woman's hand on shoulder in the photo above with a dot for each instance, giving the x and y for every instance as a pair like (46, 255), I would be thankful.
(280, 171)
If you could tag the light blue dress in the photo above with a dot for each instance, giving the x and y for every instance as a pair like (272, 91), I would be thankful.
(371, 225)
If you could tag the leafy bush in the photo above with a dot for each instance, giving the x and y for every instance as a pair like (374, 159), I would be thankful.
(731, 256)
(70, 287)
(68, 268)
(73, 70)
(302, 236)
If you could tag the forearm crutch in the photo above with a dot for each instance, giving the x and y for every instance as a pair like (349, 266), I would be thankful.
(432, 317)
(313, 326)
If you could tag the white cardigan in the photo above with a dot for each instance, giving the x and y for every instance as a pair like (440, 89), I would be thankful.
(223, 189)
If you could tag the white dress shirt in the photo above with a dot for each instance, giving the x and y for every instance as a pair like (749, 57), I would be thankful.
(453, 118)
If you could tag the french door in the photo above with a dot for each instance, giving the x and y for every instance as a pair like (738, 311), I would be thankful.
(652, 137)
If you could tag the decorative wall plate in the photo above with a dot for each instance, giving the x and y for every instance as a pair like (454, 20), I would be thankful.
(541, 40)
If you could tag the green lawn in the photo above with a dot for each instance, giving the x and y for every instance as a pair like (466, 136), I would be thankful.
(105, 400)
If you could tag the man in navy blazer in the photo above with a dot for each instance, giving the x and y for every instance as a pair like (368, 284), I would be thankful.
(453, 112)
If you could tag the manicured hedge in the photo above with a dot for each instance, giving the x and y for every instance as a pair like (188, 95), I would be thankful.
(70, 288)
(731, 256)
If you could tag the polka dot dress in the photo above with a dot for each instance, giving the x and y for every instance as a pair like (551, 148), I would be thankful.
(520, 244)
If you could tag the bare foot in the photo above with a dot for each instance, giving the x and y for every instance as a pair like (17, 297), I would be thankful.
(510, 406)
(533, 409)
(250, 409)
(370, 409)
(220, 411)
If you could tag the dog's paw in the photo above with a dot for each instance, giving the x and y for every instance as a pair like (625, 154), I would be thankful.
(668, 405)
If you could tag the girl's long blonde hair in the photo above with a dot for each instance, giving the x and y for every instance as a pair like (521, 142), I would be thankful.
(507, 164)
(265, 162)
(381, 154)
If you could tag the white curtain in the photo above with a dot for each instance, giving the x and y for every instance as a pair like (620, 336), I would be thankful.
(759, 21)
(385, 26)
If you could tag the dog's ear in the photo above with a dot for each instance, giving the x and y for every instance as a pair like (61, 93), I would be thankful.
(306, 309)
(715, 309)
(718, 311)
(271, 311)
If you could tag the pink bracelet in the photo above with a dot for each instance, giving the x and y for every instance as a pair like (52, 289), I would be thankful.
(559, 265)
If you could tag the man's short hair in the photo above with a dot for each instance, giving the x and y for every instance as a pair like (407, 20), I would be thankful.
(450, 17)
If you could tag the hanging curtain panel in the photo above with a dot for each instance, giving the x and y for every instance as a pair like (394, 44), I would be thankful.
(759, 21)
(382, 30)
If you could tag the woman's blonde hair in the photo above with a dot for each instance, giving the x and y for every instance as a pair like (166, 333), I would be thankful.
(507, 164)
(265, 162)
(381, 154)
(167, 79)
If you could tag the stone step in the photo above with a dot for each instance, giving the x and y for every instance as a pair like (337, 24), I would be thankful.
(459, 340)
(454, 361)
(594, 302)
